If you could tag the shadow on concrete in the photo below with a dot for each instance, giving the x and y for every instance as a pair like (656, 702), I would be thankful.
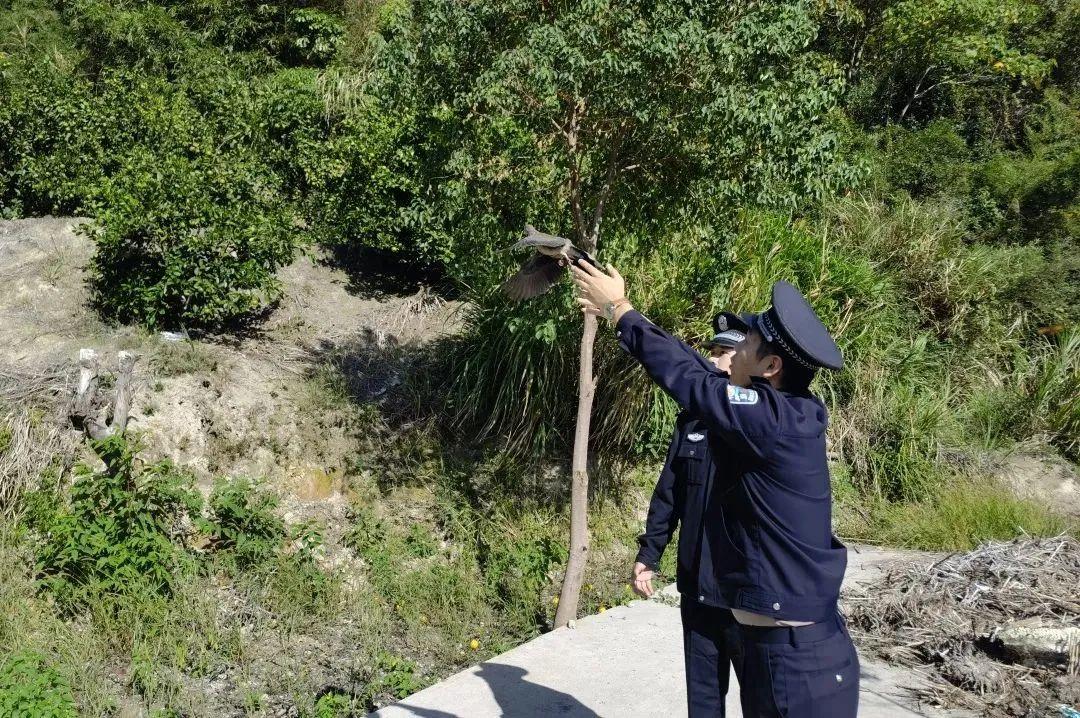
(519, 698)
(515, 697)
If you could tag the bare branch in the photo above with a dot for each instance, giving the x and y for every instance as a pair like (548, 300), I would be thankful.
(87, 386)
(605, 189)
(915, 95)
(573, 128)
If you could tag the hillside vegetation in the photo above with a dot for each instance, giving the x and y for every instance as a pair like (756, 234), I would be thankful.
(912, 165)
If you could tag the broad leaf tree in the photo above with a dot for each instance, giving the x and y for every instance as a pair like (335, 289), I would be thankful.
(914, 53)
(596, 120)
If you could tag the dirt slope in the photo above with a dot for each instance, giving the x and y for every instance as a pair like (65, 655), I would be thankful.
(228, 407)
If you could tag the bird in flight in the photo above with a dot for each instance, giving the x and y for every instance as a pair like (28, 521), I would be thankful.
(540, 273)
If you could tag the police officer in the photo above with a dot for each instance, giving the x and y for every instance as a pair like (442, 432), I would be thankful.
(678, 499)
(764, 549)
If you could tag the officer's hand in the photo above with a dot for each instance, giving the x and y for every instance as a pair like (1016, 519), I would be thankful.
(642, 580)
(597, 288)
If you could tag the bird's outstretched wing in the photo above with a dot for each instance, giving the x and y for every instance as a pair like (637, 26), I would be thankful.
(537, 276)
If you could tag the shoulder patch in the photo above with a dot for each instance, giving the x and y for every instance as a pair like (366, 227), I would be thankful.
(739, 395)
(695, 436)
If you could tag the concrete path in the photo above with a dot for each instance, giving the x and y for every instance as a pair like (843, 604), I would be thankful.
(624, 662)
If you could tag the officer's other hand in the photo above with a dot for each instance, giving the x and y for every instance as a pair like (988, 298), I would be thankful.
(642, 580)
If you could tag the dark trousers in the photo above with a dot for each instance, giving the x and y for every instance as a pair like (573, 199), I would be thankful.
(709, 640)
(805, 672)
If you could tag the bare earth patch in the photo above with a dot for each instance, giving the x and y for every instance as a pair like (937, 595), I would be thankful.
(1047, 479)
(244, 407)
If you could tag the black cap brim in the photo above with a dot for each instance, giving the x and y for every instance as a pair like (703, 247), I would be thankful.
(794, 325)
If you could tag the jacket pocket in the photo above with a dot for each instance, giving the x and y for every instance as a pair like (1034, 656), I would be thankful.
(693, 450)
(691, 455)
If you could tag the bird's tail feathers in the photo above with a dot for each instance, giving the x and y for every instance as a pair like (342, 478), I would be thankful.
(588, 258)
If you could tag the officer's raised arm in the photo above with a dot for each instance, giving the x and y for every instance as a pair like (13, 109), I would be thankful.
(745, 417)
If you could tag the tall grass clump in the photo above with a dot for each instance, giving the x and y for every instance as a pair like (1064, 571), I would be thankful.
(515, 370)
(1039, 399)
(950, 363)
(963, 514)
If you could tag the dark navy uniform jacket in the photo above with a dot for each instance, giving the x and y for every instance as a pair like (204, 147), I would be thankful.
(755, 508)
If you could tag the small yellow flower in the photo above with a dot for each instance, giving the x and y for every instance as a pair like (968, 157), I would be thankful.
(554, 600)
(999, 65)
(602, 608)
(588, 587)
(474, 644)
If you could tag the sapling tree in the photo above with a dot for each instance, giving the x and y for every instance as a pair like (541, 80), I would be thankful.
(589, 117)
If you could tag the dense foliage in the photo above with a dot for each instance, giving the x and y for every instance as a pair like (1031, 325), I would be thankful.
(31, 688)
(702, 147)
(121, 533)
(184, 152)
(912, 165)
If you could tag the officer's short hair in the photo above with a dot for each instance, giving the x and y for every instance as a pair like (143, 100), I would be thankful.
(795, 377)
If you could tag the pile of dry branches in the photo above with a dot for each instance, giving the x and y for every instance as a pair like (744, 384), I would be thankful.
(971, 618)
(33, 428)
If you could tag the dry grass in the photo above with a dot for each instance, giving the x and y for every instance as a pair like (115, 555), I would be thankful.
(947, 614)
(32, 434)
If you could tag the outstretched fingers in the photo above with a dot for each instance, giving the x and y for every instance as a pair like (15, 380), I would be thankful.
(585, 269)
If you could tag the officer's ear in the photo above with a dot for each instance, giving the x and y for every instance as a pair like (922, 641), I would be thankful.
(774, 366)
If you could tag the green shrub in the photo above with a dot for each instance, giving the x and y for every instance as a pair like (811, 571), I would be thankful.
(1039, 399)
(396, 677)
(438, 594)
(241, 521)
(366, 532)
(521, 553)
(931, 160)
(189, 243)
(332, 705)
(31, 688)
(189, 156)
(48, 147)
(276, 564)
(316, 36)
(121, 534)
